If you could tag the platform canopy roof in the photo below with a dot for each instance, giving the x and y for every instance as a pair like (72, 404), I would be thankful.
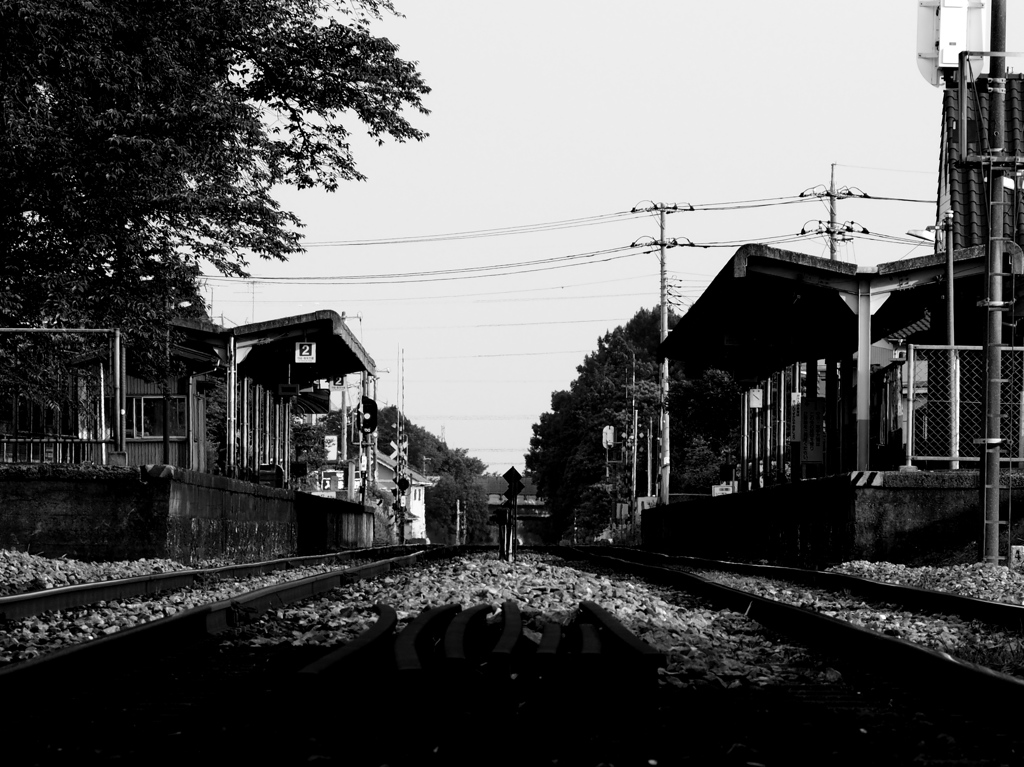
(266, 351)
(769, 308)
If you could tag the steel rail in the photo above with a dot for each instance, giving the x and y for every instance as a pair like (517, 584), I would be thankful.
(939, 672)
(1007, 615)
(31, 603)
(195, 624)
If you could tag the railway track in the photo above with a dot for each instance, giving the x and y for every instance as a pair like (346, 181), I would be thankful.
(469, 685)
(912, 664)
(35, 602)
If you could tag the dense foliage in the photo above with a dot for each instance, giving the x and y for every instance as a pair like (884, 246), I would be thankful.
(580, 479)
(457, 472)
(140, 142)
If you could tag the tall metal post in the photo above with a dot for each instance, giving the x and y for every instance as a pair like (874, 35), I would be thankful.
(230, 406)
(954, 362)
(947, 226)
(744, 441)
(117, 417)
(994, 304)
(665, 468)
(636, 446)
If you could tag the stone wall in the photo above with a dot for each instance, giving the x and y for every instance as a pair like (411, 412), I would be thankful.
(209, 516)
(96, 512)
(107, 513)
(902, 517)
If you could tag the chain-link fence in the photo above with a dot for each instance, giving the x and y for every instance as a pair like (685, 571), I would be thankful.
(946, 418)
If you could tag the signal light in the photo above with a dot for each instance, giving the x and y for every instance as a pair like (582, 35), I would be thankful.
(369, 416)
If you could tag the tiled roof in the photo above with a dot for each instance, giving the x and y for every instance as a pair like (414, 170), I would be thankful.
(965, 189)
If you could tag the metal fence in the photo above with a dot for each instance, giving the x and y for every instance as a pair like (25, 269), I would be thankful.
(946, 412)
(54, 450)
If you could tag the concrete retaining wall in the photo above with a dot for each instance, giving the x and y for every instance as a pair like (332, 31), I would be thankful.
(902, 517)
(161, 511)
(97, 512)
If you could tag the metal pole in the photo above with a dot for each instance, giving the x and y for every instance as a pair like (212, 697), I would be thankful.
(122, 397)
(636, 445)
(650, 428)
(343, 439)
(118, 408)
(167, 397)
(665, 468)
(954, 370)
(230, 415)
(744, 440)
(947, 225)
(994, 329)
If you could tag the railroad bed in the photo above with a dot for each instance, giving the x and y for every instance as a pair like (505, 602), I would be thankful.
(264, 689)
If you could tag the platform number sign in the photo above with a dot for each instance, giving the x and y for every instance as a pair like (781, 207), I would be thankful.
(305, 351)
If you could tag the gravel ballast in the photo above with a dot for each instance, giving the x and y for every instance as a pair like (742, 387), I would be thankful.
(703, 645)
(31, 637)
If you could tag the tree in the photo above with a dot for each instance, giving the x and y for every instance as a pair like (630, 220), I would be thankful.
(566, 456)
(705, 427)
(141, 141)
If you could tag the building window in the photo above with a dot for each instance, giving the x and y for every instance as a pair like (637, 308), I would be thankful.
(144, 417)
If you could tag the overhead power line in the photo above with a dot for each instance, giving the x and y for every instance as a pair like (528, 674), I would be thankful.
(574, 223)
(441, 275)
(502, 231)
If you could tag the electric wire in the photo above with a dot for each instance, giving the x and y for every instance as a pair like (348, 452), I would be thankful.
(445, 275)
(573, 223)
(478, 233)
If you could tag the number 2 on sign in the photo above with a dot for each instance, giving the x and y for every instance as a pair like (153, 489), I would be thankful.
(305, 351)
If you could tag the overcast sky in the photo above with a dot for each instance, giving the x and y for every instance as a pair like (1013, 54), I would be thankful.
(577, 111)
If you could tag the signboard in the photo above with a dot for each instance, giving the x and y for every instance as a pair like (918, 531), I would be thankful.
(332, 480)
(725, 489)
(755, 399)
(812, 430)
(305, 351)
(608, 436)
(331, 446)
(793, 417)
(336, 384)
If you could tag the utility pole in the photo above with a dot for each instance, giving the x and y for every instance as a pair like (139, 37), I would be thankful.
(994, 277)
(663, 399)
(833, 229)
(662, 243)
(832, 215)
